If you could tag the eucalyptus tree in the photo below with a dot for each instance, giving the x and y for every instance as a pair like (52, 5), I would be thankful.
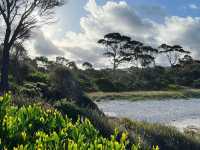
(187, 59)
(62, 61)
(18, 56)
(18, 18)
(42, 63)
(72, 65)
(148, 55)
(139, 54)
(87, 65)
(114, 46)
(18, 52)
(132, 51)
(173, 53)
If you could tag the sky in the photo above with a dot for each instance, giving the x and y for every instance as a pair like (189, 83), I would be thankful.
(81, 23)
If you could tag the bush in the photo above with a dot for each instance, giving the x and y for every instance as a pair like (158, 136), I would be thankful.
(38, 77)
(30, 90)
(33, 127)
(174, 87)
(166, 137)
(105, 85)
(119, 86)
(87, 85)
(196, 83)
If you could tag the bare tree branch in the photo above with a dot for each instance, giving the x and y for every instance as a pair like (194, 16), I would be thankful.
(19, 18)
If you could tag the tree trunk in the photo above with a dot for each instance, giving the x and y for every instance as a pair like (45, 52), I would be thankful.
(4, 69)
(114, 68)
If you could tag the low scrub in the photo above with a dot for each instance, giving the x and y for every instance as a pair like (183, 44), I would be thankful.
(34, 127)
(167, 138)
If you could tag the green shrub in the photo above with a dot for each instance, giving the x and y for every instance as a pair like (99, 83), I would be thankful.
(87, 85)
(174, 87)
(119, 86)
(100, 121)
(33, 127)
(166, 137)
(105, 85)
(38, 77)
(196, 83)
(30, 89)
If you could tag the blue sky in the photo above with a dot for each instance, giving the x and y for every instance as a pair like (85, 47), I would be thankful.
(171, 7)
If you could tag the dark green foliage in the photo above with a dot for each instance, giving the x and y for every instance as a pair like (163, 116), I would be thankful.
(38, 77)
(64, 85)
(119, 86)
(173, 53)
(105, 85)
(30, 90)
(196, 83)
(87, 85)
(73, 111)
(54, 81)
(151, 78)
(174, 87)
(114, 45)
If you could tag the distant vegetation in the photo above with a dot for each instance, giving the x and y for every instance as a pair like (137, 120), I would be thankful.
(49, 79)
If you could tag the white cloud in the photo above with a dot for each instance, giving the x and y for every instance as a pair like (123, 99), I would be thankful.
(40, 44)
(193, 6)
(100, 20)
(182, 31)
(119, 17)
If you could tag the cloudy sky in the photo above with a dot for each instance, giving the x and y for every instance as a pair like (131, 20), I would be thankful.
(80, 23)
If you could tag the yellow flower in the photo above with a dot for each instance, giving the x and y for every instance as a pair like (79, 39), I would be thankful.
(100, 146)
(42, 119)
(124, 136)
(30, 125)
(23, 134)
(1, 99)
(48, 110)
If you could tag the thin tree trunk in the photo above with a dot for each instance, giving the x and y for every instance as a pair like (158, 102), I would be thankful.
(5, 61)
(114, 69)
(4, 70)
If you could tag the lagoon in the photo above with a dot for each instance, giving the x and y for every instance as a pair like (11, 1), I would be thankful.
(180, 113)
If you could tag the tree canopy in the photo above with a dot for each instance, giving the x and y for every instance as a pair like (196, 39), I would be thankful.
(173, 53)
(18, 18)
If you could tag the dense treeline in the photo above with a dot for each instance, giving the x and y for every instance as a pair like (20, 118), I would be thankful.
(155, 78)
(52, 79)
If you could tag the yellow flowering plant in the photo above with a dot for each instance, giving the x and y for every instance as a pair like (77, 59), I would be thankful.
(33, 127)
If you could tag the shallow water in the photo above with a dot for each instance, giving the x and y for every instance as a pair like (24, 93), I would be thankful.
(179, 113)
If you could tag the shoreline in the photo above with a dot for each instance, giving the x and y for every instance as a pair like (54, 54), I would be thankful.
(145, 95)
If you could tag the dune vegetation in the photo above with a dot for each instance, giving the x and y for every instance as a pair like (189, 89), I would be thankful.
(35, 127)
(65, 125)
(167, 138)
